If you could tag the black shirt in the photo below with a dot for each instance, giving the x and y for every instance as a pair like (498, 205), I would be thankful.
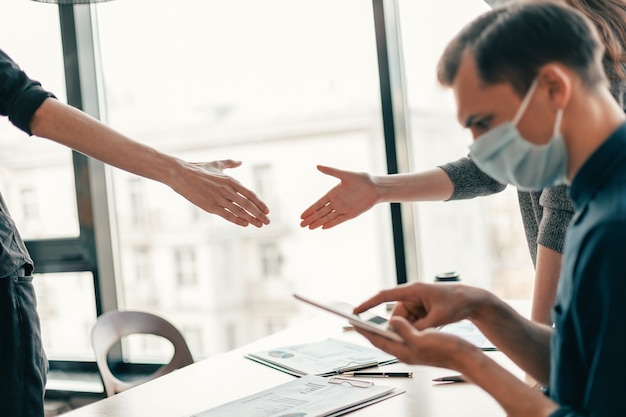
(588, 352)
(20, 97)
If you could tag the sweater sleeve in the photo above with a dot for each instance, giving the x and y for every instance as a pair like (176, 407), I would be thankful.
(558, 211)
(469, 181)
(20, 97)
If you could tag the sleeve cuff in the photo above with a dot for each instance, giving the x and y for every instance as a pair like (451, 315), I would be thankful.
(26, 105)
(469, 181)
(558, 211)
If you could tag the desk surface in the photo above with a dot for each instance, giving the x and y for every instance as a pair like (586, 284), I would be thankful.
(229, 376)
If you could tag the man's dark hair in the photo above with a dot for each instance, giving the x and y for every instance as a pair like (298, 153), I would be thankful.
(511, 43)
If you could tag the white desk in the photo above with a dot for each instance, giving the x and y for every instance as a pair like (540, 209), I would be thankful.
(226, 377)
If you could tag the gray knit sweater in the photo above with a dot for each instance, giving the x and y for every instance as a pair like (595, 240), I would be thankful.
(546, 214)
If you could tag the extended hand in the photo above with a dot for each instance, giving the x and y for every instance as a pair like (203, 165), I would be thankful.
(355, 194)
(206, 185)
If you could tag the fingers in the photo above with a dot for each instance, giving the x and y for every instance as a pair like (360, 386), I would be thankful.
(327, 217)
(228, 163)
(250, 215)
(398, 293)
(248, 200)
(333, 172)
(401, 326)
(320, 212)
(226, 197)
(369, 303)
(244, 197)
(397, 349)
(241, 207)
(227, 215)
(400, 309)
(338, 219)
(324, 213)
(316, 212)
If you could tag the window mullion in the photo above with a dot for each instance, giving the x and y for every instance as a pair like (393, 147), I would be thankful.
(83, 81)
(396, 130)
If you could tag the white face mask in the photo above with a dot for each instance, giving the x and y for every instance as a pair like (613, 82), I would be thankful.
(503, 154)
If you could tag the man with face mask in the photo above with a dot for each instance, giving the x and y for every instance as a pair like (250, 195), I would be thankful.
(529, 84)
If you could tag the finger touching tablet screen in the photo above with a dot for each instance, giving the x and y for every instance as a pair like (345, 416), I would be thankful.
(366, 321)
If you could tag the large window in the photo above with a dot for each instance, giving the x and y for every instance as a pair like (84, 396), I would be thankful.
(282, 86)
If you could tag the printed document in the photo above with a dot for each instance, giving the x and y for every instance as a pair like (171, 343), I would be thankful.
(327, 357)
(310, 396)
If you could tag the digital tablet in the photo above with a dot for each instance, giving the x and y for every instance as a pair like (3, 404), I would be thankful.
(367, 321)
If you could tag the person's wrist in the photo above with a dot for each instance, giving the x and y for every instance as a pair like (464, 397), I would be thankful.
(463, 357)
(174, 171)
(482, 305)
(380, 187)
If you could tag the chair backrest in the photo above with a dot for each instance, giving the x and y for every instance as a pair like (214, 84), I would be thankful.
(114, 325)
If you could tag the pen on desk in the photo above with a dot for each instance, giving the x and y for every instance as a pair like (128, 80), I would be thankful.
(380, 374)
(451, 378)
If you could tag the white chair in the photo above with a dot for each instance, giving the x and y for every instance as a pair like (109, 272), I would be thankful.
(114, 325)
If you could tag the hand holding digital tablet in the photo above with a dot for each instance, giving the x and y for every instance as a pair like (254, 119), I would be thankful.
(367, 321)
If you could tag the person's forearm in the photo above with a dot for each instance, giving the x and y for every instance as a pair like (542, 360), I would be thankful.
(431, 185)
(525, 342)
(75, 129)
(546, 281)
(516, 397)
